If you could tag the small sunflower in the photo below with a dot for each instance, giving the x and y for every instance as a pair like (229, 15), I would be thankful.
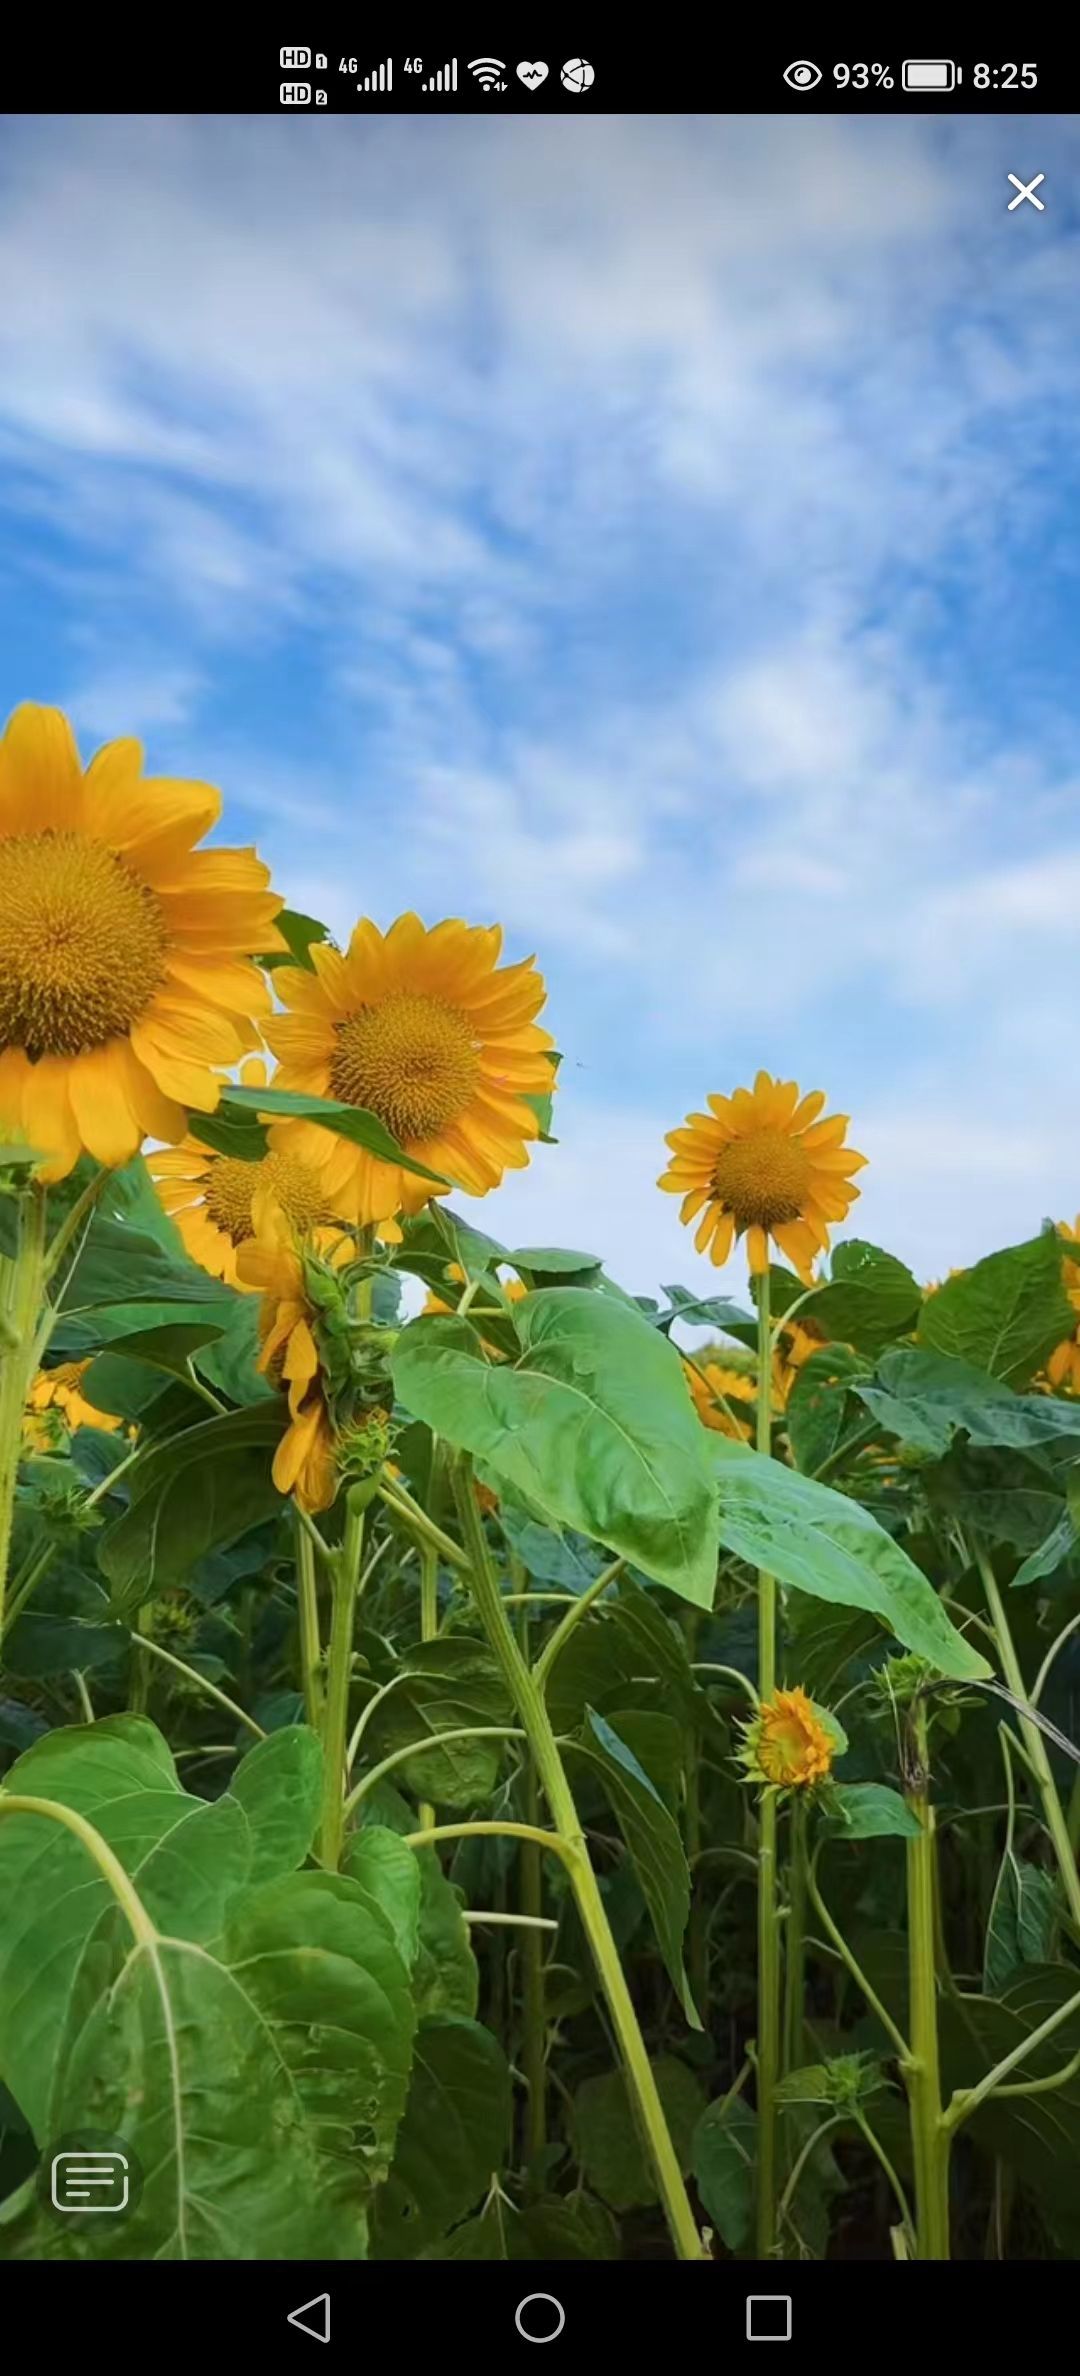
(125, 952)
(304, 1463)
(1063, 1366)
(790, 1743)
(710, 1381)
(761, 1164)
(427, 1031)
(56, 1401)
(210, 1196)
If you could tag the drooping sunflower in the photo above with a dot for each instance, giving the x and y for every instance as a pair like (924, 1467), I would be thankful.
(710, 1381)
(126, 971)
(210, 1196)
(760, 1164)
(56, 1401)
(790, 1743)
(431, 1034)
(1063, 1366)
(270, 1260)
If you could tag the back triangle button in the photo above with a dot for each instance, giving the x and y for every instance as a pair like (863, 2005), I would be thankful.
(313, 2318)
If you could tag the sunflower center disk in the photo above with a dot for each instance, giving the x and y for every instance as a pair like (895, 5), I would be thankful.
(410, 1060)
(762, 1178)
(82, 944)
(232, 1184)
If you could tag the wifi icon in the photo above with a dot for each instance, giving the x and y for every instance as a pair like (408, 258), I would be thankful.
(489, 73)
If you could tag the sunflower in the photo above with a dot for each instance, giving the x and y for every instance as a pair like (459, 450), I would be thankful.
(709, 1381)
(125, 952)
(56, 1401)
(790, 1743)
(427, 1031)
(1063, 1366)
(210, 1196)
(760, 1164)
(304, 1463)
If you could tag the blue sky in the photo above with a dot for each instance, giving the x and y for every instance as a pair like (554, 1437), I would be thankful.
(659, 535)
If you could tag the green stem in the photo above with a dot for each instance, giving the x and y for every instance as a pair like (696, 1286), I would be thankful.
(880, 2155)
(429, 1626)
(557, 1641)
(335, 1726)
(1034, 1743)
(149, 1648)
(307, 1601)
(967, 2100)
(768, 2021)
(419, 1524)
(24, 1294)
(795, 1942)
(139, 1669)
(527, 1698)
(922, 2070)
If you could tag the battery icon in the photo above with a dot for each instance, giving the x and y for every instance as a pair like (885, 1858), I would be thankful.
(930, 74)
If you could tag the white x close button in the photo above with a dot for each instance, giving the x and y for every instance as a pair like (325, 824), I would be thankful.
(1026, 190)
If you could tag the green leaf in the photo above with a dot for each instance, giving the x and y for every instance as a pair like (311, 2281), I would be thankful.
(552, 2229)
(279, 1784)
(829, 1546)
(606, 2136)
(871, 1811)
(452, 2138)
(170, 1349)
(388, 1874)
(707, 1311)
(445, 1976)
(121, 1264)
(445, 1686)
(300, 934)
(1038, 2136)
(543, 1266)
(811, 2085)
(1059, 1544)
(649, 1828)
(725, 2148)
(592, 1426)
(927, 1398)
(1006, 1314)
(229, 1364)
(1022, 1922)
(231, 1132)
(346, 1121)
(869, 1299)
(196, 1493)
(814, 1416)
(625, 1643)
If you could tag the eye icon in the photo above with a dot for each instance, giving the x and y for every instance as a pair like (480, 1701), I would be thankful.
(802, 76)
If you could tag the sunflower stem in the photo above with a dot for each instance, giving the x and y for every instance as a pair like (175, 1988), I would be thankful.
(768, 2023)
(23, 1298)
(930, 2136)
(335, 1720)
(795, 1941)
(528, 1700)
(1053, 1812)
(429, 1626)
(307, 1601)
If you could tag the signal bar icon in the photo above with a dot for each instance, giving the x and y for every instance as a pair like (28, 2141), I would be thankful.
(444, 80)
(489, 73)
(381, 78)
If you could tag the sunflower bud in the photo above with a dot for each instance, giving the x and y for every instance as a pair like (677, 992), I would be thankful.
(790, 1744)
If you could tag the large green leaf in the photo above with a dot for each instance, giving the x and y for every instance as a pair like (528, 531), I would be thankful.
(816, 1406)
(556, 2228)
(445, 1686)
(345, 1121)
(869, 1299)
(196, 1493)
(1038, 2136)
(120, 1264)
(926, 1399)
(724, 2150)
(452, 2138)
(829, 1546)
(625, 1645)
(871, 1811)
(445, 1975)
(1007, 1313)
(648, 1826)
(1022, 1921)
(592, 1426)
(279, 1786)
(607, 2138)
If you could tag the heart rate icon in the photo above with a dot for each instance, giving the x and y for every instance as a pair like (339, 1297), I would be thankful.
(533, 72)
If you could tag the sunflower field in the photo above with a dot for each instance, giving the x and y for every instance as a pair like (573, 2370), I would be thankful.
(493, 1767)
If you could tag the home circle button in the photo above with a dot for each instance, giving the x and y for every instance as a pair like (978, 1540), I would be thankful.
(539, 2318)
